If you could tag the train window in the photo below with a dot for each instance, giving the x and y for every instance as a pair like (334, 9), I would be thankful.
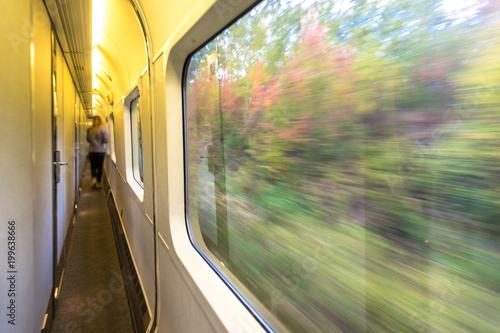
(111, 145)
(136, 121)
(342, 163)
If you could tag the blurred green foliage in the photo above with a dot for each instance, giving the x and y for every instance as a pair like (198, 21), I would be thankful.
(361, 152)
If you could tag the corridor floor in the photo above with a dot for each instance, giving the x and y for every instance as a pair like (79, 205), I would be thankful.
(92, 296)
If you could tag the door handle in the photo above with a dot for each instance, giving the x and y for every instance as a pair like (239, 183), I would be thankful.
(60, 163)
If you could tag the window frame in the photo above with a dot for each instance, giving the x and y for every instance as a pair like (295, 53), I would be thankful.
(136, 140)
(258, 311)
(223, 310)
(111, 143)
(135, 184)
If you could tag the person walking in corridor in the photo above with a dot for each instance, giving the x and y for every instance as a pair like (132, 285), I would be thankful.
(97, 136)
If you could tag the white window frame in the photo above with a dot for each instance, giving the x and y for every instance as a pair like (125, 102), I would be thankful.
(111, 143)
(137, 157)
(132, 163)
(231, 314)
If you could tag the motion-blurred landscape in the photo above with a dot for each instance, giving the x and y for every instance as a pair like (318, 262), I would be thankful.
(352, 150)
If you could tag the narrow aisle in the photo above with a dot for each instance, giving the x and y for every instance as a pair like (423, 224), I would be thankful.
(92, 297)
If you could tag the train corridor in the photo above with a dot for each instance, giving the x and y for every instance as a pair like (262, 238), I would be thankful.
(92, 295)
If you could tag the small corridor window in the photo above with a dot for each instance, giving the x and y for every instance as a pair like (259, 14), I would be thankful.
(136, 124)
(111, 144)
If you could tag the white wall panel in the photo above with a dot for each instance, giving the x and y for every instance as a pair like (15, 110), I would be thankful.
(26, 163)
(180, 312)
(139, 233)
(69, 144)
(42, 165)
(59, 118)
(16, 162)
(120, 138)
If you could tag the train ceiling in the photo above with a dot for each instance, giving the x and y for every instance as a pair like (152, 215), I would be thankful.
(73, 24)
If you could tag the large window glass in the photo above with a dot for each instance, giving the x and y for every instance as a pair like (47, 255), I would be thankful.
(343, 163)
(136, 123)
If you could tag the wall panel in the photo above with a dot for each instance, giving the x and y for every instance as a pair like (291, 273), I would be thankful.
(16, 193)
